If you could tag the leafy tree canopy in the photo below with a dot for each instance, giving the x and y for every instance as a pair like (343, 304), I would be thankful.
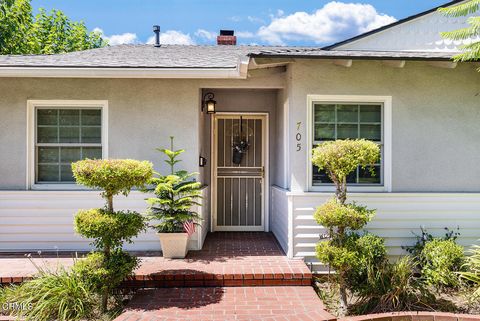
(46, 33)
(471, 51)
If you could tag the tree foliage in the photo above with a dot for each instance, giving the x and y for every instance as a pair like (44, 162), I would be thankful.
(175, 195)
(471, 51)
(113, 176)
(340, 158)
(342, 250)
(46, 33)
(108, 228)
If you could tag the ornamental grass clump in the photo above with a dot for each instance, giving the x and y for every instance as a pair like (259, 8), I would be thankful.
(342, 251)
(108, 228)
(59, 295)
(471, 271)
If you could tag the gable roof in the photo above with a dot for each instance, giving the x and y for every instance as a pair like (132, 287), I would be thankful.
(389, 26)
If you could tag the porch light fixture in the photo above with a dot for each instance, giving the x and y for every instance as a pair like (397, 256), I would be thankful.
(208, 103)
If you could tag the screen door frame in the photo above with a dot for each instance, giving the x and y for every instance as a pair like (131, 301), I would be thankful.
(264, 182)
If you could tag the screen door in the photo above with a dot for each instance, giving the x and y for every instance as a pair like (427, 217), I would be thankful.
(239, 172)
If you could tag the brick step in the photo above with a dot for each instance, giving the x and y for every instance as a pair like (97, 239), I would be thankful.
(216, 280)
(226, 303)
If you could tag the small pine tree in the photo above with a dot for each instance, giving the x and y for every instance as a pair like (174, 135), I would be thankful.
(176, 194)
(471, 50)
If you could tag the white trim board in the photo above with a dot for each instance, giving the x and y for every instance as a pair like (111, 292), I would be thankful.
(30, 134)
(184, 73)
(387, 139)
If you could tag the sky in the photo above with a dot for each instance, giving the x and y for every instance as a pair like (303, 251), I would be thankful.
(258, 22)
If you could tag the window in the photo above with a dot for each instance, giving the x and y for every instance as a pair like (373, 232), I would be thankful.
(64, 133)
(342, 117)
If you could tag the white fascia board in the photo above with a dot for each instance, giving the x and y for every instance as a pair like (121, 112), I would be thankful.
(54, 72)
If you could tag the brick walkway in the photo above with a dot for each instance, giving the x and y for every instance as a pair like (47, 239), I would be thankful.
(236, 276)
(227, 259)
(226, 303)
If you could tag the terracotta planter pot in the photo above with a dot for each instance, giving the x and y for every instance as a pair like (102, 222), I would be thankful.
(174, 245)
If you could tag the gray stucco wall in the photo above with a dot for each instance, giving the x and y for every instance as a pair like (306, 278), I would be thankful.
(143, 113)
(138, 113)
(436, 119)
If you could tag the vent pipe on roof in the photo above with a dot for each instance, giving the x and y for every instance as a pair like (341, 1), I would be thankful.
(156, 30)
(227, 37)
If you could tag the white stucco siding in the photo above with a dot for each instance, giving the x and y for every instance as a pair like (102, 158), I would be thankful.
(435, 117)
(420, 34)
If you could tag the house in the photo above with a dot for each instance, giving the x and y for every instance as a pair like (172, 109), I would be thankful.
(396, 86)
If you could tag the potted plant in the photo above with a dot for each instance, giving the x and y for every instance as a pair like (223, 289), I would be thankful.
(171, 208)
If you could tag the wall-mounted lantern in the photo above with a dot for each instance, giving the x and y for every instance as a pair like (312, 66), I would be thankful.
(208, 103)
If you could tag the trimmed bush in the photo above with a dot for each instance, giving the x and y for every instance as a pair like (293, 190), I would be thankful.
(371, 257)
(109, 229)
(341, 157)
(114, 176)
(333, 214)
(102, 273)
(440, 261)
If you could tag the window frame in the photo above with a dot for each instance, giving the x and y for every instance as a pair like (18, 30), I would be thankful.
(32, 106)
(386, 140)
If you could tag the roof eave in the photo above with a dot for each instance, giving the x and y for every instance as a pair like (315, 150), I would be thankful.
(93, 72)
(351, 57)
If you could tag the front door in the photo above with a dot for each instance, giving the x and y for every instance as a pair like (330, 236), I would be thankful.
(239, 152)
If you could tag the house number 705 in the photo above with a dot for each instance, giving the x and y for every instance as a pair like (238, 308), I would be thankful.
(298, 137)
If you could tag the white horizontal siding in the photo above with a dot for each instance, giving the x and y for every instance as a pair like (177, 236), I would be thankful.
(43, 220)
(279, 217)
(398, 217)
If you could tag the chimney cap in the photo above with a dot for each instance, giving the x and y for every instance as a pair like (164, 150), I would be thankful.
(156, 30)
(227, 32)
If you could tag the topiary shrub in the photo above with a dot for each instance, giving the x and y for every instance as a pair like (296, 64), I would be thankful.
(334, 214)
(341, 157)
(441, 260)
(341, 251)
(102, 273)
(108, 228)
(113, 176)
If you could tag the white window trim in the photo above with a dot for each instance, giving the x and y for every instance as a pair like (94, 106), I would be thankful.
(31, 106)
(387, 139)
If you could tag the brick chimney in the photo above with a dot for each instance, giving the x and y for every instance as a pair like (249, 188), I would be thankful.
(226, 37)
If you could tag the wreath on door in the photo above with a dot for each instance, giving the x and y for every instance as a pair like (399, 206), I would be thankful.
(240, 146)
